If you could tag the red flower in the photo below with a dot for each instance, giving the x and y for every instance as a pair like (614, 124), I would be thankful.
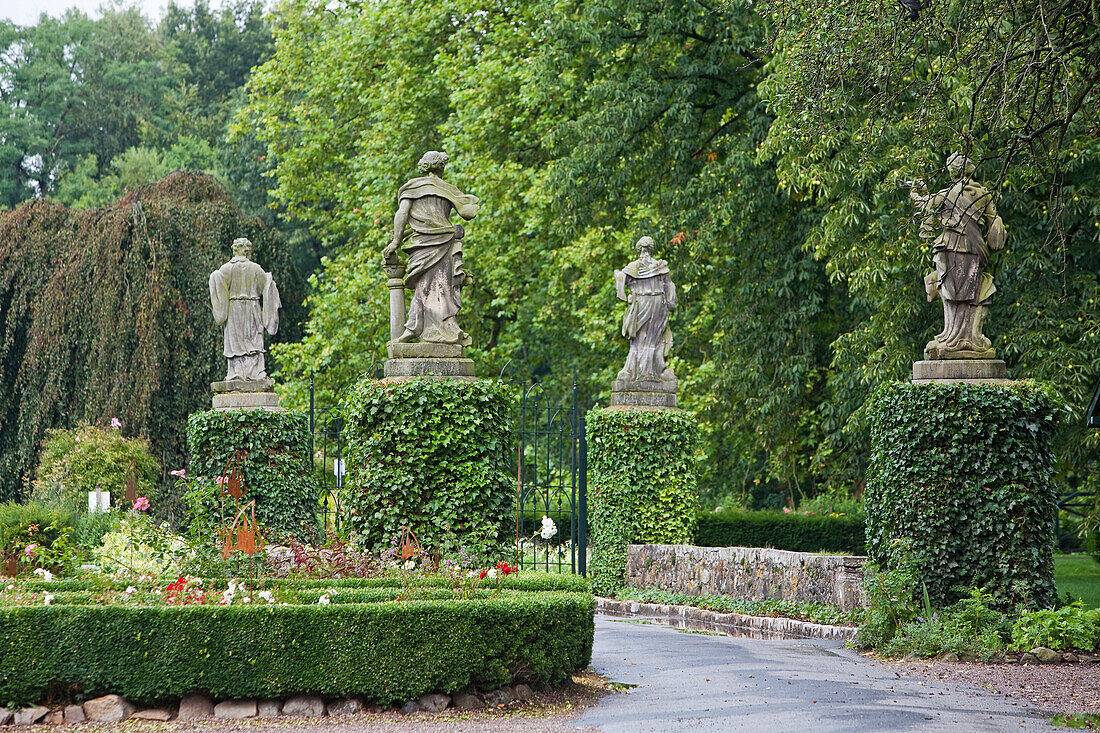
(482, 574)
(505, 569)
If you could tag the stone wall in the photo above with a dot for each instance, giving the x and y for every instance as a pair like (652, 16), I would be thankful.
(751, 573)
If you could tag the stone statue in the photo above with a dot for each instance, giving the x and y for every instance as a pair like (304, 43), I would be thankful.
(246, 303)
(964, 228)
(646, 286)
(423, 229)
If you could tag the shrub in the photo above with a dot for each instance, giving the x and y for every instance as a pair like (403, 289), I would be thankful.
(276, 467)
(433, 455)
(641, 486)
(796, 531)
(964, 473)
(32, 523)
(383, 651)
(89, 458)
(971, 628)
(1069, 627)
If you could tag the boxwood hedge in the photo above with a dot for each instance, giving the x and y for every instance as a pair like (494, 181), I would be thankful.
(384, 652)
(796, 532)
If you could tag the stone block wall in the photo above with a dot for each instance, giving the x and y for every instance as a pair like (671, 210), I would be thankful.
(751, 573)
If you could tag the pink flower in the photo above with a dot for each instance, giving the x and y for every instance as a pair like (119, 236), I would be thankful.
(116, 423)
(180, 472)
(141, 504)
(29, 550)
(222, 479)
(786, 510)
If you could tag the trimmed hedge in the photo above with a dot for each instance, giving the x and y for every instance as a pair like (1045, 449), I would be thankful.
(433, 455)
(960, 482)
(385, 652)
(641, 486)
(795, 532)
(277, 468)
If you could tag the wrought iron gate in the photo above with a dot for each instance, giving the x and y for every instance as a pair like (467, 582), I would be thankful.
(551, 462)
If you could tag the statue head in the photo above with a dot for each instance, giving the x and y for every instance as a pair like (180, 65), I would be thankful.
(645, 246)
(433, 162)
(959, 165)
(242, 247)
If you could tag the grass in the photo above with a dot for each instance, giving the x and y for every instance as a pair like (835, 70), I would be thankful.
(1079, 576)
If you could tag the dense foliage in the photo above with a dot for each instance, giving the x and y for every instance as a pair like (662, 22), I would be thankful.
(158, 654)
(432, 455)
(88, 458)
(105, 314)
(960, 489)
(271, 450)
(796, 531)
(23, 525)
(641, 486)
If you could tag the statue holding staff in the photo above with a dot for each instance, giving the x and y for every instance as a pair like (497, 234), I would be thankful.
(964, 227)
(422, 228)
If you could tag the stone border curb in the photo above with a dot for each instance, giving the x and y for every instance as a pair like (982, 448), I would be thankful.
(734, 624)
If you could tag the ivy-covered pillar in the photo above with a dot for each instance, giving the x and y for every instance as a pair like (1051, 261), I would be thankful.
(960, 488)
(432, 454)
(641, 485)
(275, 465)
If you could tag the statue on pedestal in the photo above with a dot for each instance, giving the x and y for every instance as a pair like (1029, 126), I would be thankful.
(422, 228)
(645, 284)
(963, 226)
(245, 302)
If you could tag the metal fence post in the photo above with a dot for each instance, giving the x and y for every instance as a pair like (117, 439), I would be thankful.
(581, 544)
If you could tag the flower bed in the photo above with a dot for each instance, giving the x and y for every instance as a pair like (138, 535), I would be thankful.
(385, 639)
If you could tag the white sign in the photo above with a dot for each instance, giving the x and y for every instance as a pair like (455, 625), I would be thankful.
(338, 467)
(99, 502)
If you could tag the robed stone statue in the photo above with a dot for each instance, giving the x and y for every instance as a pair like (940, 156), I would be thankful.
(245, 301)
(962, 226)
(651, 296)
(422, 228)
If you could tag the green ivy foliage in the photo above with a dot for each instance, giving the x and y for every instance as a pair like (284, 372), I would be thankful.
(105, 313)
(641, 486)
(276, 468)
(89, 458)
(796, 532)
(433, 455)
(961, 479)
(384, 652)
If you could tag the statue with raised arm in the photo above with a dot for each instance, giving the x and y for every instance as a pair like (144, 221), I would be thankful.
(650, 294)
(963, 228)
(245, 301)
(422, 228)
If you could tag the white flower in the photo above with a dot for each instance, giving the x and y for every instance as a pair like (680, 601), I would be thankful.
(48, 598)
(472, 574)
(549, 529)
(410, 564)
(46, 574)
(266, 595)
(324, 600)
(246, 599)
(492, 573)
(11, 587)
(129, 590)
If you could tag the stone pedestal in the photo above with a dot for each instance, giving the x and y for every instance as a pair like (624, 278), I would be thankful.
(970, 371)
(427, 360)
(240, 394)
(646, 393)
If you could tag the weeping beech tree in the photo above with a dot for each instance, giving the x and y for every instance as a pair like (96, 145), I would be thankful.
(105, 313)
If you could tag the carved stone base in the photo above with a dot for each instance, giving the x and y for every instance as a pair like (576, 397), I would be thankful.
(971, 371)
(397, 350)
(429, 367)
(653, 393)
(268, 401)
(243, 385)
(934, 351)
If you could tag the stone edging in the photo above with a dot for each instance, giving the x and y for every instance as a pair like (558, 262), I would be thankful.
(735, 624)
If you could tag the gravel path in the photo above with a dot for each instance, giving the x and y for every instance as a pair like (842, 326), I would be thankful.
(1058, 688)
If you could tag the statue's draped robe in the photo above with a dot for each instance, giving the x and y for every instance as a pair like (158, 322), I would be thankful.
(961, 213)
(646, 322)
(246, 303)
(434, 270)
